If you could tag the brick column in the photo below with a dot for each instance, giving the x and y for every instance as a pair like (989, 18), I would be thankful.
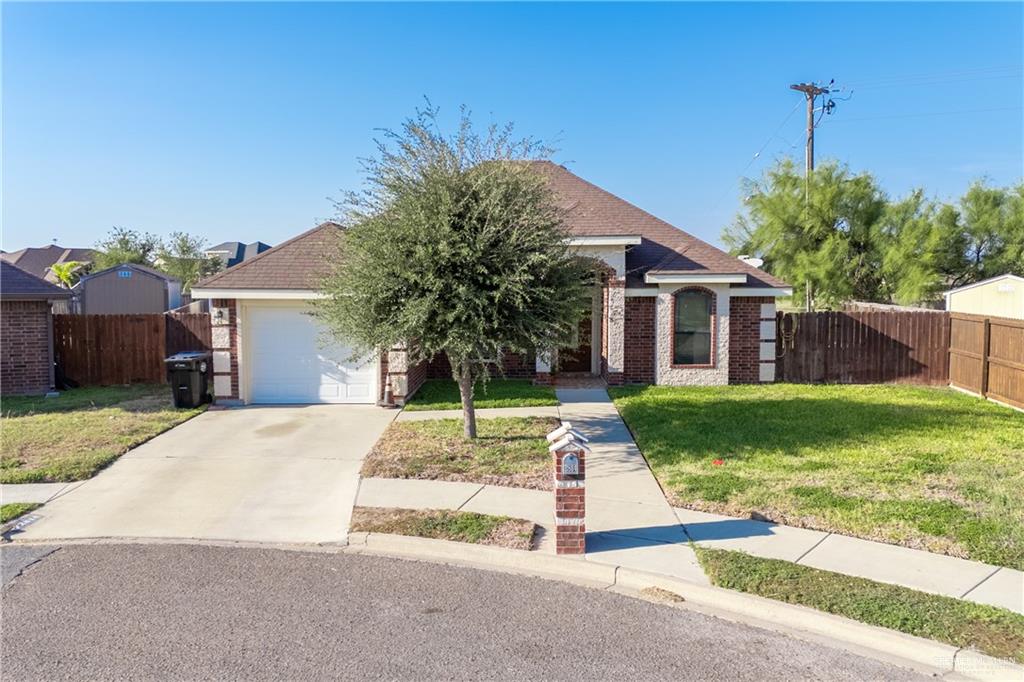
(614, 323)
(224, 341)
(766, 364)
(569, 452)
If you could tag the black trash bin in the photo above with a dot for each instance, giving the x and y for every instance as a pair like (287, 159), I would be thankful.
(187, 374)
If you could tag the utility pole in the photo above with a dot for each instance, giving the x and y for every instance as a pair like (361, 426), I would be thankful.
(811, 92)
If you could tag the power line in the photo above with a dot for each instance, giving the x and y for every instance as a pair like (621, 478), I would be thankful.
(928, 113)
(939, 77)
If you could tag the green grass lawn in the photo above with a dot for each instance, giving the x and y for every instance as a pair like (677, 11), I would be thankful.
(994, 631)
(440, 524)
(509, 451)
(71, 437)
(443, 394)
(12, 510)
(923, 467)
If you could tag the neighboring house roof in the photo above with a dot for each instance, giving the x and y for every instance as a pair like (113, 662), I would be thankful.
(298, 263)
(233, 253)
(997, 278)
(18, 285)
(594, 212)
(37, 260)
(145, 269)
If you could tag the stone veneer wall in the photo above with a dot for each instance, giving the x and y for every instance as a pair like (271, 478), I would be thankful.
(718, 373)
(638, 361)
(224, 342)
(25, 361)
(613, 332)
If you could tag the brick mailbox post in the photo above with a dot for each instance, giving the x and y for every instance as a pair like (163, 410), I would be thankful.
(569, 453)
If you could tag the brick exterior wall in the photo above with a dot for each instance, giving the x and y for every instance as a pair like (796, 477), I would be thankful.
(25, 360)
(745, 338)
(514, 366)
(416, 376)
(639, 341)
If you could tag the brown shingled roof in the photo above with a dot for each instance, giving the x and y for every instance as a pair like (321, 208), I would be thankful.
(17, 284)
(594, 212)
(298, 263)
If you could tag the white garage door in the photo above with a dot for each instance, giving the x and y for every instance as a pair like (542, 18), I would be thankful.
(291, 364)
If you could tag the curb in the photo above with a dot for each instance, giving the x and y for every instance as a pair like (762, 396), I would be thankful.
(889, 646)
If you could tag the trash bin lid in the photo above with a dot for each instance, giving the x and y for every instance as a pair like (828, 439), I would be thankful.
(187, 356)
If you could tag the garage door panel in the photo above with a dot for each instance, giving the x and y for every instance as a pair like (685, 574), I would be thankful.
(290, 362)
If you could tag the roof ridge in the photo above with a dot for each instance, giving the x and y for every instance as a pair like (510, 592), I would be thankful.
(212, 279)
(682, 232)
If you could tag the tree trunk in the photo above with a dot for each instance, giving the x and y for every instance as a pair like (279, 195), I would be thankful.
(465, 381)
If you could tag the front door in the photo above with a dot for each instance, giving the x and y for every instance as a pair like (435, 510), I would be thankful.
(578, 359)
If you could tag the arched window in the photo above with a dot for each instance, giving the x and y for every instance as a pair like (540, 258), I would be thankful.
(693, 327)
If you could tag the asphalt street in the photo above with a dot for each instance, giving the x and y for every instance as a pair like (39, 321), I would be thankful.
(116, 611)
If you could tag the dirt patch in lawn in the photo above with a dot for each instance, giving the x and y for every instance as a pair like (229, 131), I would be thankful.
(507, 452)
(439, 524)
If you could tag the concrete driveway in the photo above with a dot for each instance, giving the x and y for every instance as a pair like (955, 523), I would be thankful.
(262, 474)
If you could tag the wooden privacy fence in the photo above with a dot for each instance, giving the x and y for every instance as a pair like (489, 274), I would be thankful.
(863, 347)
(103, 350)
(986, 356)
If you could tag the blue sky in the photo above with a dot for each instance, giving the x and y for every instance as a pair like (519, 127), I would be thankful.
(238, 121)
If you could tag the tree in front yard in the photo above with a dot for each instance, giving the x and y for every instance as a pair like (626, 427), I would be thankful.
(455, 247)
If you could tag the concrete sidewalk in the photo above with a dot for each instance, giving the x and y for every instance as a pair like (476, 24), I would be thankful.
(38, 493)
(630, 523)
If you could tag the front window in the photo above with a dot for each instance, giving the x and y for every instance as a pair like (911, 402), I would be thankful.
(692, 338)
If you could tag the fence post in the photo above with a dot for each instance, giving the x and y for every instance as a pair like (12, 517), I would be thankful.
(985, 345)
(569, 452)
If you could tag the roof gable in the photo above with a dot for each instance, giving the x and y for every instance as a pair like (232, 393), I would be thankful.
(143, 269)
(997, 278)
(299, 263)
(594, 212)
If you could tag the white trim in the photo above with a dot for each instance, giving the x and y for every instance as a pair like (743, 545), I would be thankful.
(762, 291)
(695, 278)
(265, 294)
(612, 240)
(984, 281)
(637, 292)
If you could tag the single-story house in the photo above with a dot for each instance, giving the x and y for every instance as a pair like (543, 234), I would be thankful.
(39, 261)
(125, 289)
(26, 331)
(669, 309)
(1001, 296)
(233, 253)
